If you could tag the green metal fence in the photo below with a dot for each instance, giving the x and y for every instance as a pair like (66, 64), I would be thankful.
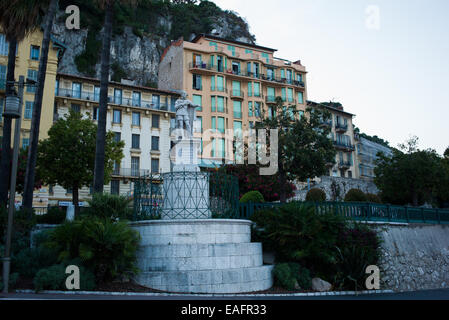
(186, 195)
(363, 211)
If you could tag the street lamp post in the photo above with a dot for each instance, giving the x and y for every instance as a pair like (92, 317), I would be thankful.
(13, 109)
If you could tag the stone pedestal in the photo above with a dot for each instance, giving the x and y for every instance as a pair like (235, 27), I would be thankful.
(201, 256)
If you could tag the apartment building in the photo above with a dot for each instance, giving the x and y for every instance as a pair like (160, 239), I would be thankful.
(234, 83)
(140, 116)
(367, 151)
(342, 134)
(27, 65)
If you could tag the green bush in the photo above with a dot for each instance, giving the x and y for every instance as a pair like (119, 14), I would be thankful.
(13, 277)
(302, 275)
(54, 215)
(287, 275)
(374, 198)
(252, 196)
(54, 278)
(30, 260)
(106, 247)
(316, 195)
(355, 195)
(109, 206)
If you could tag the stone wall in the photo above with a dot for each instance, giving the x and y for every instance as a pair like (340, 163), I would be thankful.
(337, 187)
(414, 257)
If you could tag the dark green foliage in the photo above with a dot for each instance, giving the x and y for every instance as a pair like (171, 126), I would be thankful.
(118, 72)
(54, 215)
(30, 260)
(109, 206)
(54, 277)
(373, 198)
(283, 276)
(13, 277)
(330, 247)
(316, 195)
(22, 225)
(358, 247)
(108, 248)
(302, 275)
(355, 195)
(252, 196)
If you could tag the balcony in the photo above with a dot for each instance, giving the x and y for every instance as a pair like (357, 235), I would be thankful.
(344, 146)
(270, 99)
(202, 68)
(237, 94)
(344, 164)
(340, 127)
(130, 172)
(76, 94)
(326, 123)
(218, 89)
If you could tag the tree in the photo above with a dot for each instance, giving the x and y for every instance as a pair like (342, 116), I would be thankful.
(411, 177)
(99, 171)
(17, 19)
(304, 147)
(37, 107)
(67, 157)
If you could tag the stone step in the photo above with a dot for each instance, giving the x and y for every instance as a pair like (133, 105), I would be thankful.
(200, 256)
(209, 281)
(206, 231)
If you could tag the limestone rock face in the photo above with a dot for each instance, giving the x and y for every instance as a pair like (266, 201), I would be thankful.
(138, 56)
(320, 285)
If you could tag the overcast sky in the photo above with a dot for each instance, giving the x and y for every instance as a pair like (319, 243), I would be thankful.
(391, 72)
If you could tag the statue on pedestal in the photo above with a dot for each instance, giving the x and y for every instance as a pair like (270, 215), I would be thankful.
(185, 114)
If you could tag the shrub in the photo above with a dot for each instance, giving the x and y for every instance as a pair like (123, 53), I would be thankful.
(355, 195)
(316, 195)
(106, 247)
(252, 196)
(374, 198)
(54, 278)
(300, 235)
(302, 275)
(13, 277)
(109, 206)
(283, 276)
(30, 260)
(54, 215)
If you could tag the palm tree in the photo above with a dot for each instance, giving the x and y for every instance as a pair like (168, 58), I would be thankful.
(37, 108)
(108, 6)
(17, 19)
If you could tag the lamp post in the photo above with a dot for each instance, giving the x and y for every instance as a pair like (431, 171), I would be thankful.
(13, 109)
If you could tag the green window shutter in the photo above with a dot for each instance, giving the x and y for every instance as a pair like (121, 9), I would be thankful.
(250, 109)
(214, 123)
(238, 128)
(290, 94)
(221, 126)
(226, 63)
(300, 98)
(236, 87)
(212, 60)
(250, 89)
(220, 83)
(270, 92)
(212, 104)
(212, 83)
(284, 95)
(282, 73)
(256, 89)
(220, 104)
(237, 109)
(198, 101)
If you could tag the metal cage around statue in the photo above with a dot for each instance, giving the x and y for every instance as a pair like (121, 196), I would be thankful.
(186, 195)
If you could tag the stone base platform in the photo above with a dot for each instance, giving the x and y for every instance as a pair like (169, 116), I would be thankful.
(201, 256)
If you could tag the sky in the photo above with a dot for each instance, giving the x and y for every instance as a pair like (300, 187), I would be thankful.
(386, 61)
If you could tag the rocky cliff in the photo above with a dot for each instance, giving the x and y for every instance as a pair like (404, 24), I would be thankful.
(140, 36)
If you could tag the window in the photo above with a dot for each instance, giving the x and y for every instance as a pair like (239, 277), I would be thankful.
(117, 136)
(212, 83)
(173, 102)
(115, 187)
(76, 90)
(4, 46)
(116, 168)
(256, 70)
(238, 128)
(250, 89)
(2, 77)
(136, 119)
(135, 143)
(256, 89)
(197, 60)
(300, 97)
(290, 94)
(197, 82)
(97, 93)
(35, 50)
(236, 88)
(117, 116)
(76, 107)
(213, 104)
(219, 63)
(32, 74)
(235, 67)
(155, 143)
(28, 110)
(117, 96)
(1, 108)
(200, 120)
(271, 94)
(57, 87)
(221, 124)
(136, 99)
(250, 109)
(237, 109)
(155, 121)
(257, 109)
(135, 166)
(96, 113)
(25, 143)
(220, 104)
(197, 100)
(214, 123)
(284, 94)
(155, 165)
(220, 84)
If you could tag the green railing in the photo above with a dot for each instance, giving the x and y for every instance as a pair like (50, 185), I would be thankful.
(362, 211)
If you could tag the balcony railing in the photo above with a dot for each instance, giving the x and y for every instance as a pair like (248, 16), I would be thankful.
(237, 94)
(218, 89)
(326, 122)
(344, 164)
(271, 99)
(344, 146)
(202, 66)
(130, 172)
(341, 127)
(131, 102)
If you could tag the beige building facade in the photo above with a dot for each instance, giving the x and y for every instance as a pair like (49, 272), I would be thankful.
(234, 83)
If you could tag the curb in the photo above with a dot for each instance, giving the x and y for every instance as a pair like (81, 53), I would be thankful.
(153, 294)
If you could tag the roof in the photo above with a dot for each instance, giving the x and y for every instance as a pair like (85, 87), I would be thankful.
(240, 43)
(172, 92)
(313, 103)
